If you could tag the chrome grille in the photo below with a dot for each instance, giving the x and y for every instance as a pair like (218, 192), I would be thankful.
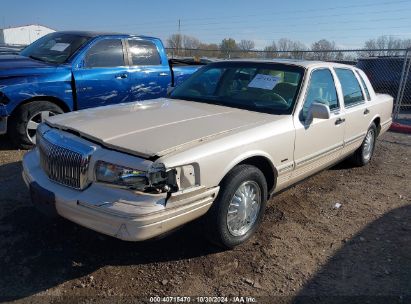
(63, 159)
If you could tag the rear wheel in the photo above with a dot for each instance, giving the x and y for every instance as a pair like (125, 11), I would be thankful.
(239, 207)
(364, 153)
(24, 122)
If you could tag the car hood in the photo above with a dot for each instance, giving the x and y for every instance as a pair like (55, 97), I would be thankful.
(16, 65)
(156, 127)
(18, 61)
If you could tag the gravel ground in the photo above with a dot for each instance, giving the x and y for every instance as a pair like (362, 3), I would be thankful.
(306, 247)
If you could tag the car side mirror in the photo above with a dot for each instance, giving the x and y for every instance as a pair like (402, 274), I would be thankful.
(81, 64)
(317, 110)
(170, 89)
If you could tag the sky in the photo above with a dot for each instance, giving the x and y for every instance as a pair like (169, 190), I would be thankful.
(349, 23)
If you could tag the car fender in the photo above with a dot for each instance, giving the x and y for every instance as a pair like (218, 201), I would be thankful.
(243, 157)
(35, 87)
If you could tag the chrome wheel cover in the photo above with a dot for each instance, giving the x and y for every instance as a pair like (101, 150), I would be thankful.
(368, 145)
(34, 122)
(244, 208)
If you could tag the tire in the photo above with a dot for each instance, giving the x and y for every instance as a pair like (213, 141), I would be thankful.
(364, 153)
(218, 227)
(20, 131)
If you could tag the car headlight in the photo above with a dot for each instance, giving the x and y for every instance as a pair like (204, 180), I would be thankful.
(121, 176)
(155, 179)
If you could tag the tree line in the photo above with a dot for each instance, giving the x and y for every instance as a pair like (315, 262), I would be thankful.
(185, 45)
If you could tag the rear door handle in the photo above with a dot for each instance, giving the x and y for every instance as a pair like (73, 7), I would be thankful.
(163, 74)
(121, 76)
(366, 111)
(339, 121)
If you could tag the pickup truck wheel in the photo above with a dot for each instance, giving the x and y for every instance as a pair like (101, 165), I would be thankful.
(25, 120)
(237, 212)
(364, 153)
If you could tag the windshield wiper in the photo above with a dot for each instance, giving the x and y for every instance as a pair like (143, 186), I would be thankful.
(198, 99)
(37, 58)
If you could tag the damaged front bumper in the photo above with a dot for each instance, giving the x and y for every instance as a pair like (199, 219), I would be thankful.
(127, 215)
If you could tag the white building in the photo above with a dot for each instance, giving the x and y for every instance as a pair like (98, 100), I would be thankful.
(23, 35)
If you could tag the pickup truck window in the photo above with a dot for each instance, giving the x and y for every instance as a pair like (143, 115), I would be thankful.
(351, 88)
(321, 89)
(55, 47)
(105, 53)
(143, 52)
(260, 87)
(364, 85)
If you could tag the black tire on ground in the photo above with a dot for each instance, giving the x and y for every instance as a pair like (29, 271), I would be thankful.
(20, 118)
(361, 157)
(216, 219)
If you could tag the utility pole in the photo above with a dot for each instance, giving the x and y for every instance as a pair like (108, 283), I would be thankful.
(179, 37)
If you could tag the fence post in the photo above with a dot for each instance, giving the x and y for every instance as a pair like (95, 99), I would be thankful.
(402, 85)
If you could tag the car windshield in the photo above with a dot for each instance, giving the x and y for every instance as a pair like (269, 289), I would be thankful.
(55, 47)
(262, 87)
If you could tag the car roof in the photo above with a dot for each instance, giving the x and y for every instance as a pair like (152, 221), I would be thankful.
(302, 63)
(93, 34)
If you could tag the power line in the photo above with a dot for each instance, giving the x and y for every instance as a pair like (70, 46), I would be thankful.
(225, 35)
(305, 10)
(307, 17)
(199, 26)
(293, 12)
(305, 26)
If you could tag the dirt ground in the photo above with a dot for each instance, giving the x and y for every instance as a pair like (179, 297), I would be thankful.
(306, 250)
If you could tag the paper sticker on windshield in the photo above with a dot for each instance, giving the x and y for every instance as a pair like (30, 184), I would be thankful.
(60, 47)
(266, 82)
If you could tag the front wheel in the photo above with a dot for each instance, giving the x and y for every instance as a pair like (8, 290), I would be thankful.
(239, 207)
(364, 153)
(24, 122)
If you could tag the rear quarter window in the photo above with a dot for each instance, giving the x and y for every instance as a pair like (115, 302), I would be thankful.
(367, 93)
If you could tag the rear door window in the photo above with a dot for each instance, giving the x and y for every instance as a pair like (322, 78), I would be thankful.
(351, 88)
(143, 52)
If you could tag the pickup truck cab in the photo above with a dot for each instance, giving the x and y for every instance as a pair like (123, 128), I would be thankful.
(69, 71)
(228, 137)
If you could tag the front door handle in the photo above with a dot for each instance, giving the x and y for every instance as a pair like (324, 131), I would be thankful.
(366, 111)
(163, 74)
(339, 121)
(121, 76)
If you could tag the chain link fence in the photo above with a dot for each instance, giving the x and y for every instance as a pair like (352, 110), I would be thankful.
(387, 69)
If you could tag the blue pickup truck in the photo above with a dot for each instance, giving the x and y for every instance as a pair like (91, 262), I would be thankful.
(68, 71)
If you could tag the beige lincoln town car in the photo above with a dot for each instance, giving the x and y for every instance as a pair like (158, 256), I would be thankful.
(232, 135)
